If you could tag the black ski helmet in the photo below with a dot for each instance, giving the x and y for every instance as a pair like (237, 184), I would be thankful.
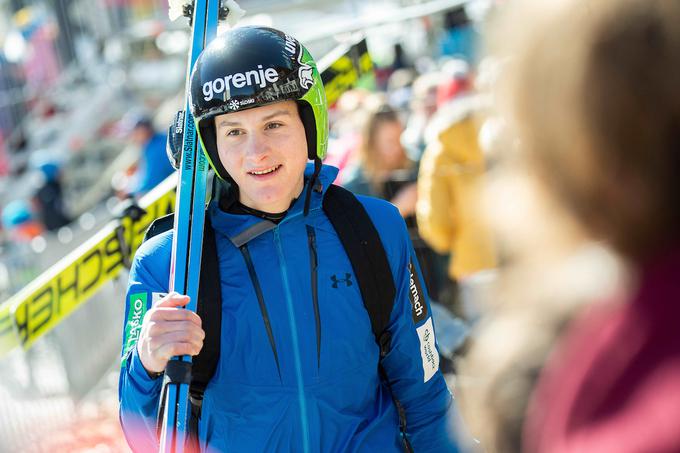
(249, 67)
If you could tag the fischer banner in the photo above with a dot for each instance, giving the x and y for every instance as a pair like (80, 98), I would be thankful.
(47, 300)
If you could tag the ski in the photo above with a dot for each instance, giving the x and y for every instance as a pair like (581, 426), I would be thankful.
(188, 228)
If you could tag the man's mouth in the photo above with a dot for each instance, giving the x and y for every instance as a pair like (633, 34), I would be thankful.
(264, 171)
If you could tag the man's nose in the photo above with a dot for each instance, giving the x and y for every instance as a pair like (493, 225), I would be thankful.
(258, 146)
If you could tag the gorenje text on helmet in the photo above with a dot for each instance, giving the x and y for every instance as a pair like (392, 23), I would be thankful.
(257, 76)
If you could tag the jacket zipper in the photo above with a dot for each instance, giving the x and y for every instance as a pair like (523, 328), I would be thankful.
(260, 300)
(314, 264)
(296, 348)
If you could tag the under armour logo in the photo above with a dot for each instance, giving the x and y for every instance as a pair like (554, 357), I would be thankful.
(347, 280)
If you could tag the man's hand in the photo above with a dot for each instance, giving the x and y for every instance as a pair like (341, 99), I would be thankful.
(168, 331)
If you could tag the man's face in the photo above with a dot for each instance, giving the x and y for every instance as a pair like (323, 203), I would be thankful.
(265, 151)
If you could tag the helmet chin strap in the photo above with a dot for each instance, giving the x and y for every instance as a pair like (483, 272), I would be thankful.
(312, 183)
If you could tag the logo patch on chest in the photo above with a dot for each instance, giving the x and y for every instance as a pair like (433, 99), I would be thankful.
(336, 281)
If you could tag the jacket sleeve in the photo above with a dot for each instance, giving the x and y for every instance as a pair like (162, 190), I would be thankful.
(436, 200)
(412, 365)
(138, 393)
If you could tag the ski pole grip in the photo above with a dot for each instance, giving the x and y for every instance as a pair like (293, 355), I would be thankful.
(178, 372)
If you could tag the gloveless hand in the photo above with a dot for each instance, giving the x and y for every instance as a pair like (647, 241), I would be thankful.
(168, 331)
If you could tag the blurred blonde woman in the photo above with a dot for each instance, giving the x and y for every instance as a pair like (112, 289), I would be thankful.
(384, 170)
(595, 106)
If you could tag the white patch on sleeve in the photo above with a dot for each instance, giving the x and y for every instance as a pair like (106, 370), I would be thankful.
(428, 350)
(156, 297)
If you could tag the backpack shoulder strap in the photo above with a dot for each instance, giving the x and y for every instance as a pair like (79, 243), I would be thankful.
(365, 250)
(160, 225)
(209, 309)
(367, 255)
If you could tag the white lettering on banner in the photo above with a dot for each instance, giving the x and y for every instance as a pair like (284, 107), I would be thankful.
(258, 77)
(428, 350)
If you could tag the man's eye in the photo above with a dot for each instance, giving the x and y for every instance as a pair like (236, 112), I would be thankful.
(274, 125)
(234, 132)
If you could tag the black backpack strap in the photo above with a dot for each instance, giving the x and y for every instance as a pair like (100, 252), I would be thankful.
(160, 225)
(367, 255)
(209, 309)
(364, 248)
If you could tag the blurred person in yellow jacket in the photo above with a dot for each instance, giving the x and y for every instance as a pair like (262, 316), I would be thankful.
(450, 179)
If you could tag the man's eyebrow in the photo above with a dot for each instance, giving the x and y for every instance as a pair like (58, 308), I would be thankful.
(227, 123)
(275, 114)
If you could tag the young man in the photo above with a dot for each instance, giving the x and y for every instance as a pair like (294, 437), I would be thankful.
(298, 368)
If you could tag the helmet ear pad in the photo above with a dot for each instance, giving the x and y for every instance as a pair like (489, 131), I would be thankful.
(209, 139)
(307, 116)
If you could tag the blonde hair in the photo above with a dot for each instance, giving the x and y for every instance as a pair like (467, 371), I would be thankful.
(372, 166)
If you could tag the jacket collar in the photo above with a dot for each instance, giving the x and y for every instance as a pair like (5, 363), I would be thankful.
(241, 228)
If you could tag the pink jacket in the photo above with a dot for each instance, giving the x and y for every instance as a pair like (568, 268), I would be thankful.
(613, 382)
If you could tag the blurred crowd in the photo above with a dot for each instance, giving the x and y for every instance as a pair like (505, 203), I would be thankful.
(536, 172)
(414, 140)
(548, 168)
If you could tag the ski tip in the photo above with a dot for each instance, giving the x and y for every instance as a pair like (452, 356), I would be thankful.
(176, 8)
(231, 12)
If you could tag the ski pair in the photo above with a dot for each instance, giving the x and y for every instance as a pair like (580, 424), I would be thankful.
(188, 228)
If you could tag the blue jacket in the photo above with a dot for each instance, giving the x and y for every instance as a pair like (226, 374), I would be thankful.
(298, 373)
(154, 166)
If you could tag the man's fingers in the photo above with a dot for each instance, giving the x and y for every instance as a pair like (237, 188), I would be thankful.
(173, 300)
(175, 314)
(170, 350)
(158, 330)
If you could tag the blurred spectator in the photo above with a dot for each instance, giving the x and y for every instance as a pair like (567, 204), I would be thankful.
(48, 199)
(40, 60)
(458, 80)
(154, 165)
(423, 104)
(399, 88)
(459, 38)
(4, 157)
(17, 263)
(385, 171)
(431, 91)
(346, 119)
(19, 222)
(449, 208)
(593, 101)
(400, 59)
